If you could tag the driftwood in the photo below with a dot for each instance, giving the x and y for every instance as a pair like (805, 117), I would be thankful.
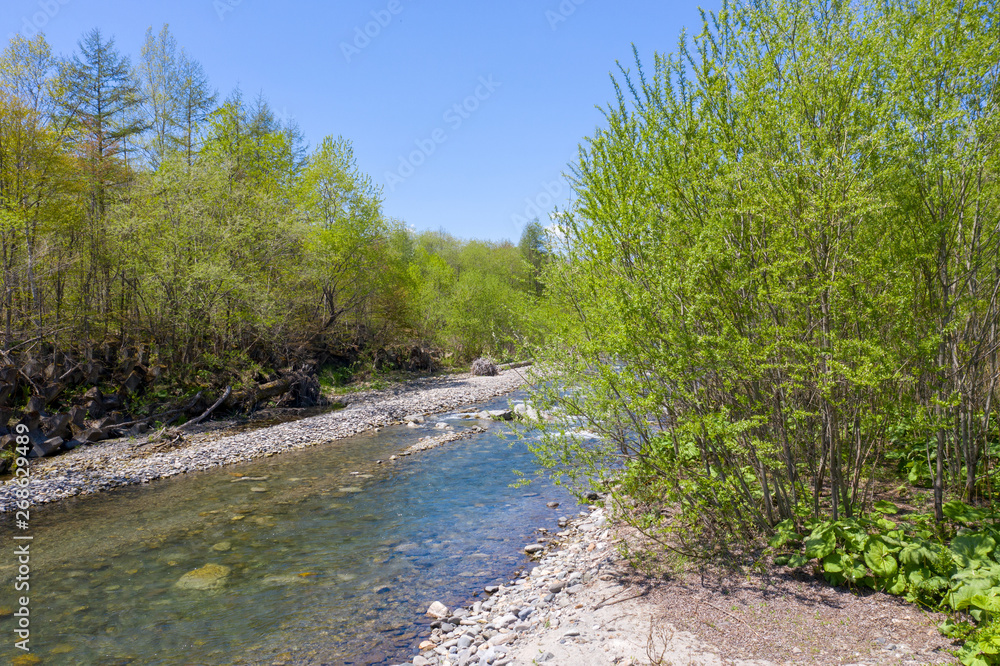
(260, 393)
(207, 412)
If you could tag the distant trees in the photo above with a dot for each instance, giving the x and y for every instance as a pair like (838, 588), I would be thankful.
(139, 217)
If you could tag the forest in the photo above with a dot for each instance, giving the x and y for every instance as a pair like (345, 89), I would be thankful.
(149, 226)
(783, 275)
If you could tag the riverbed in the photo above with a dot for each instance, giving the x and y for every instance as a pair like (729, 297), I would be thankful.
(318, 556)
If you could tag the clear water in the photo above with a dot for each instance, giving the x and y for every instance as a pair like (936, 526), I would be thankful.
(326, 567)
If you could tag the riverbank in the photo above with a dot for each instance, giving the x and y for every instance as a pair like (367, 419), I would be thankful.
(130, 461)
(583, 605)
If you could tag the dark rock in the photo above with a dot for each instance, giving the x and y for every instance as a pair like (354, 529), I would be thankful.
(56, 426)
(95, 409)
(134, 382)
(93, 393)
(71, 444)
(53, 391)
(592, 496)
(92, 373)
(77, 415)
(47, 448)
(136, 430)
(108, 422)
(112, 402)
(32, 419)
(91, 435)
(36, 403)
(6, 389)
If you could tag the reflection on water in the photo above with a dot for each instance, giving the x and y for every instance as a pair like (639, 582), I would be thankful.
(320, 556)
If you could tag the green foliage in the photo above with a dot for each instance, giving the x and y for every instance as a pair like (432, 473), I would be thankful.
(781, 266)
(956, 574)
(136, 212)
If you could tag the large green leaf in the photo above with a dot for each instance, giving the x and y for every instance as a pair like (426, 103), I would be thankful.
(971, 551)
(915, 554)
(821, 542)
(879, 560)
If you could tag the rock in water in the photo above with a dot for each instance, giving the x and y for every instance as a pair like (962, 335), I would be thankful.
(209, 577)
(438, 610)
(484, 367)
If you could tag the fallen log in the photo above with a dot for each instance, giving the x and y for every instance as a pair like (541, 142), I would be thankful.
(207, 412)
(251, 396)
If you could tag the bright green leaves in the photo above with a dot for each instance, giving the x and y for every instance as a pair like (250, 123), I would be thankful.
(842, 567)
(821, 542)
(879, 559)
(971, 551)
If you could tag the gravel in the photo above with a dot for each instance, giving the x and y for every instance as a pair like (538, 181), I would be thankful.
(123, 462)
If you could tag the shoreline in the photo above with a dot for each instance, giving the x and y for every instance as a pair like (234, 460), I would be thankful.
(124, 462)
(571, 608)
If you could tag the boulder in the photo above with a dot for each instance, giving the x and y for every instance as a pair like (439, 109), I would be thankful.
(134, 382)
(77, 415)
(438, 610)
(36, 403)
(6, 389)
(91, 435)
(71, 444)
(46, 448)
(56, 426)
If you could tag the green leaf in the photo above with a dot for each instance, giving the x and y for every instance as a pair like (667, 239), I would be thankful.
(879, 560)
(970, 551)
(885, 507)
(821, 542)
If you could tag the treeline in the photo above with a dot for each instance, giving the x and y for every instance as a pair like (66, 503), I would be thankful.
(141, 217)
(784, 268)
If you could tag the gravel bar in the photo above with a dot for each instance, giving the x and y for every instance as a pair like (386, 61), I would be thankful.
(121, 462)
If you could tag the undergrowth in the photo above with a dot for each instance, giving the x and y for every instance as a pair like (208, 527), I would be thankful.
(953, 568)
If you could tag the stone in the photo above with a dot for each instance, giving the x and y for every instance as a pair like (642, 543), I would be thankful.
(421, 661)
(56, 426)
(426, 645)
(553, 505)
(438, 610)
(208, 577)
(46, 448)
(557, 587)
(91, 435)
(222, 546)
(414, 418)
(533, 548)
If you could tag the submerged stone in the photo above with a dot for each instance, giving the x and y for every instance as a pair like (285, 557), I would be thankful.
(208, 577)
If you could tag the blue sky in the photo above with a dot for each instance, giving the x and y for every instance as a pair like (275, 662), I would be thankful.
(466, 112)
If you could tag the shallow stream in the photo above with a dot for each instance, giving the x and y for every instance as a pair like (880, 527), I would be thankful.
(321, 555)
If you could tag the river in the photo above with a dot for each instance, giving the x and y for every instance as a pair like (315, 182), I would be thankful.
(329, 558)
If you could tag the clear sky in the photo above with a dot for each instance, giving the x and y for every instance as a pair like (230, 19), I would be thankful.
(527, 77)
